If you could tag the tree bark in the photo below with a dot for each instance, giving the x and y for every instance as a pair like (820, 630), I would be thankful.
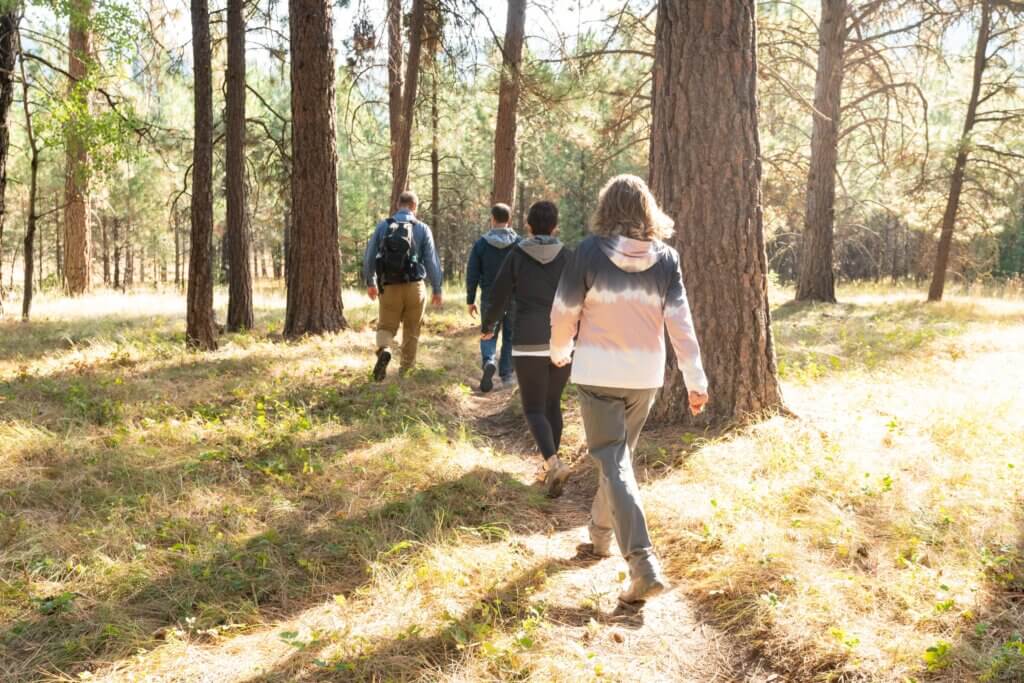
(30, 228)
(105, 245)
(200, 330)
(117, 252)
(403, 145)
(956, 181)
(314, 265)
(77, 237)
(435, 166)
(815, 280)
(240, 273)
(705, 148)
(504, 187)
(8, 53)
(395, 79)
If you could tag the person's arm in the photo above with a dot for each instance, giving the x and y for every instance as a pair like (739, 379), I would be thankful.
(567, 307)
(679, 323)
(501, 293)
(428, 256)
(370, 257)
(473, 269)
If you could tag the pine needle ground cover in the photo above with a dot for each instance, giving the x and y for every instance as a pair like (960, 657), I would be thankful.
(266, 513)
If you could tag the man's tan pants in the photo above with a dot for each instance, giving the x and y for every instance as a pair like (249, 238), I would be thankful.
(402, 304)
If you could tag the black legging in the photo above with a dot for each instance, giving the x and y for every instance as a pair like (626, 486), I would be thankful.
(540, 387)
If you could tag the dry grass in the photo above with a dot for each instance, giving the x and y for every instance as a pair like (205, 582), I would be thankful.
(265, 513)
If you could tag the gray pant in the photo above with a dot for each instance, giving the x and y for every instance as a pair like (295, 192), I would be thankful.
(613, 419)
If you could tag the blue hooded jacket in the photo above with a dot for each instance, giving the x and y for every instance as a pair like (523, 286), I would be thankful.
(485, 260)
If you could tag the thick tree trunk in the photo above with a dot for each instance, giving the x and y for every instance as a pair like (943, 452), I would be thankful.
(395, 79)
(240, 274)
(815, 280)
(200, 330)
(956, 181)
(77, 237)
(314, 265)
(403, 145)
(704, 148)
(504, 188)
(8, 53)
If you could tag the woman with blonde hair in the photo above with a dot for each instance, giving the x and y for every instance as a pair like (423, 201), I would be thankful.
(615, 300)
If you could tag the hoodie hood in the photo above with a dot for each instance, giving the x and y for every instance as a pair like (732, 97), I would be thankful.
(630, 255)
(542, 248)
(501, 238)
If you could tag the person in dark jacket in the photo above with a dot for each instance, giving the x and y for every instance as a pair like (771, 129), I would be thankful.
(485, 260)
(529, 279)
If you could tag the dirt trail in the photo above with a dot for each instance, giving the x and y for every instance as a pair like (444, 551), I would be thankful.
(663, 641)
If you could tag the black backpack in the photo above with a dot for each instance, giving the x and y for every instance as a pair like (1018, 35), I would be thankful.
(396, 260)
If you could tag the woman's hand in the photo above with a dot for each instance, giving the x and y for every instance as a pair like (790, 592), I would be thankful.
(487, 336)
(697, 402)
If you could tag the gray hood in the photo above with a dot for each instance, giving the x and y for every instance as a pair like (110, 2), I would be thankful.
(630, 255)
(501, 238)
(542, 248)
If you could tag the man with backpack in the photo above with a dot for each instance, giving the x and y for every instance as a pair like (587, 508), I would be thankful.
(399, 257)
(485, 260)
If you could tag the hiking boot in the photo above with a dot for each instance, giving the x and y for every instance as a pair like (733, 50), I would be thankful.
(380, 370)
(592, 550)
(643, 588)
(487, 380)
(558, 474)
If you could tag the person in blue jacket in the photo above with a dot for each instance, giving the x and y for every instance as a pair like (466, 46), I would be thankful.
(485, 260)
(400, 256)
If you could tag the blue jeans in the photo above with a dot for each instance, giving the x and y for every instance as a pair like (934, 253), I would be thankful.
(489, 348)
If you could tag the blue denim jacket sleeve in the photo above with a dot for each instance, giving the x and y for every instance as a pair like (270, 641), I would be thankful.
(370, 257)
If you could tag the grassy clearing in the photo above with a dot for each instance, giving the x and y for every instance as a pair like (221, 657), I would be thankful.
(265, 513)
(879, 537)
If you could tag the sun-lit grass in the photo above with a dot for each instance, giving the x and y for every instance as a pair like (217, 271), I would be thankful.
(266, 513)
(880, 534)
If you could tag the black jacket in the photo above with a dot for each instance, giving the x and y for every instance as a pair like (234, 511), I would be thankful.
(528, 279)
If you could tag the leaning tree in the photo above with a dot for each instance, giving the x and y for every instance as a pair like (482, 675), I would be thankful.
(705, 169)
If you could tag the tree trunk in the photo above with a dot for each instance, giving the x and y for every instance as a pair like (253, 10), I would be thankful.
(956, 181)
(200, 331)
(77, 237)
(395, 79)
(105, 245)
(815, 281)
(117, 252)
(177, 248)
(400, 182)
(314, 265)
(8, 53)
(504, 188)
(30, 228)
(435, 167)
(705, 147)
(240, 274)
(58, 252)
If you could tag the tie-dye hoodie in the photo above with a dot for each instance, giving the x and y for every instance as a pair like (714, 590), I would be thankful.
(622, 294)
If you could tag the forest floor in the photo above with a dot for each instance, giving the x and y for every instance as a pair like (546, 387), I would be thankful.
(267, 513)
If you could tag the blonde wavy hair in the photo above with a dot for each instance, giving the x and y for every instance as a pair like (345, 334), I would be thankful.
(626, 207)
